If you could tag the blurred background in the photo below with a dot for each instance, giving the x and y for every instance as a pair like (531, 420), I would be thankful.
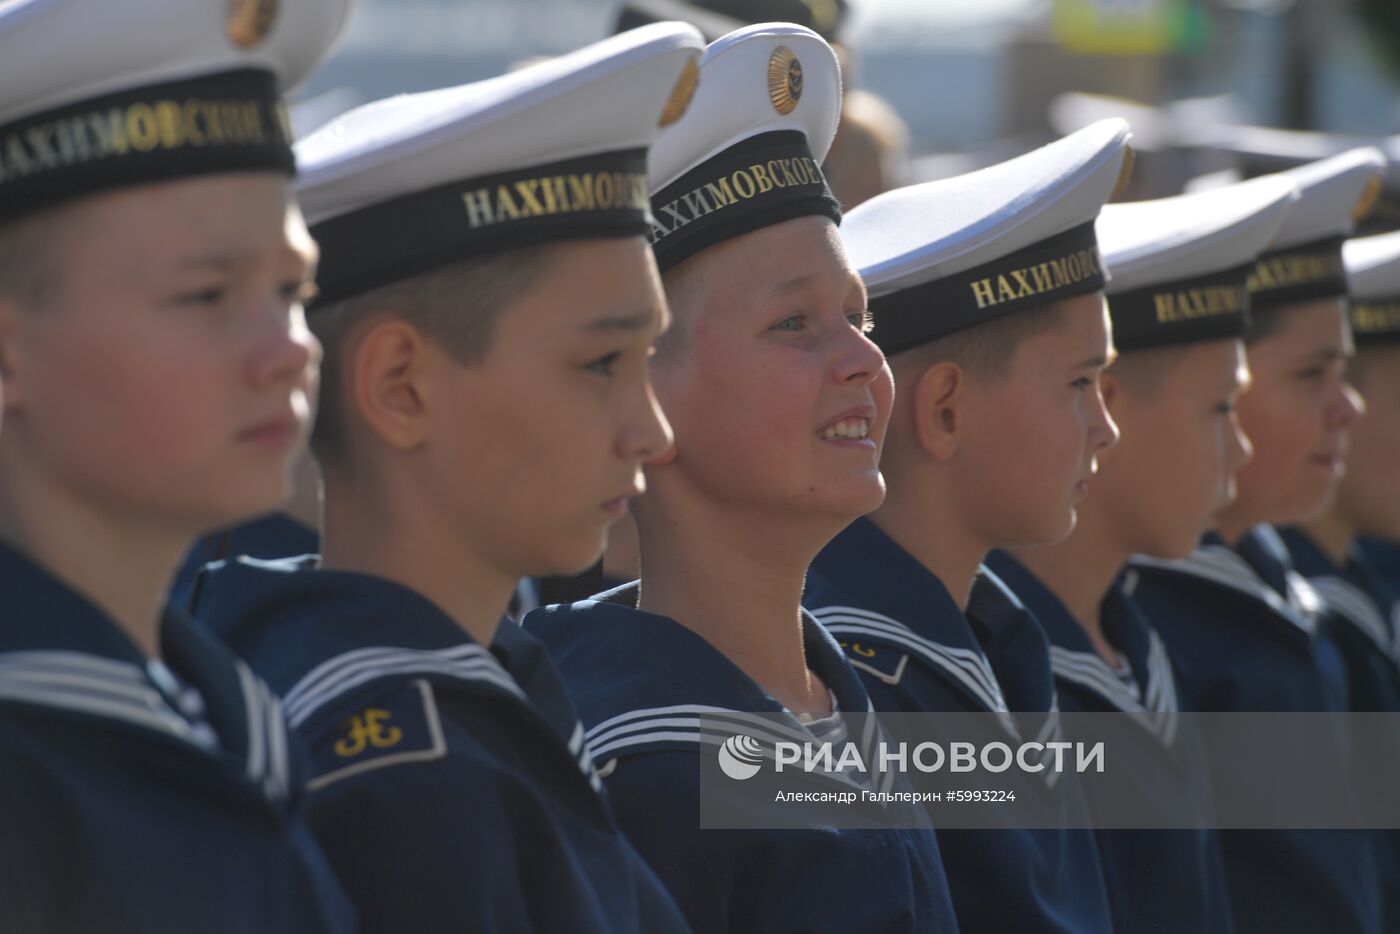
(945, 86)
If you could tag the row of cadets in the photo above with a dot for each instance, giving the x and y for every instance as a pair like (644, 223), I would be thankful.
(487, 303)
(1362, 602)
(987, 296)
(779, 403)
(293, 531)
(1179, 304)
(1259, 150)
(158, 377)
(1367, 503)
(1241, 623)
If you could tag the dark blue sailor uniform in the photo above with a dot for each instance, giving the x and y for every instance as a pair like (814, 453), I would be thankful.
(1383, 558)
(276, 535)
(1362, 611)
(451, 788)
(1158, 880)
(1242, 626)
(143, 797)
(917, 652)
(641, 681)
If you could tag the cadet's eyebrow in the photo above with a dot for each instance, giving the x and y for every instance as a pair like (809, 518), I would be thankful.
(628, 323)
(1326, 354)
(1098, 362)
(218, 260)
(305, 252)
(792, 285)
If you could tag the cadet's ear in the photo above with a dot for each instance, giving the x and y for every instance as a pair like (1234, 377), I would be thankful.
(387, 382)
(937, 399)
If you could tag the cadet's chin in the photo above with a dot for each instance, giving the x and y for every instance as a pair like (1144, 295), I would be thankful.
(575, 557)
(859, 496)
(243, 497)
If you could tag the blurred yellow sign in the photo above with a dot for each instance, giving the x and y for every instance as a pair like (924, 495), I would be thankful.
(1122, 27)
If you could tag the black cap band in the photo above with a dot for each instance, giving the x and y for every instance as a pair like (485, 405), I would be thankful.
(1307, 273)
(1184, 311)
(230, 122)
(1383, 217)
(1375, 321)
(601, 195)
(1064, 266)
(764, 180)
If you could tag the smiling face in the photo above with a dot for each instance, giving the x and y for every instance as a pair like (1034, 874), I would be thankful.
(1031, 436)
(166, 374)
(541, 443)
(1297, 414)
(779, 400)
(1174, 468)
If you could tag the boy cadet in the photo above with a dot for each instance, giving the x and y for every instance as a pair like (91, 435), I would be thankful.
(779, 402)
(490, 300)
(158, 378)
(988, 299)
(1324, 549)
(1363, 605)
(1179, 304)
(1240, 623)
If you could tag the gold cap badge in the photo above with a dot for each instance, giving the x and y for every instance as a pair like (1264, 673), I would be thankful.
(682, 93)
(1367, 202)
(249, 21)
(784, 80)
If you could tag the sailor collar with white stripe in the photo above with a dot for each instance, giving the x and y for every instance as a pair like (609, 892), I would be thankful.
(323, 635)
(1218, 564)
(1343, 593)
(897, 601)
(1074, 659)
(326, 639)
(59, 651)
(863, 574)
(645, 683)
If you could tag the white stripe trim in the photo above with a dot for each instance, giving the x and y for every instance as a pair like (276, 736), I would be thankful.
(1222, 566)
(1088, 670)
(682, 723)
(278, 781)
(1357, 608)
(257, 750)
(101, 687)
(974, 661)
(333, 668)
(972, 677)
(344, 673)
(167, 722)
(699, 738)
(690, 714)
